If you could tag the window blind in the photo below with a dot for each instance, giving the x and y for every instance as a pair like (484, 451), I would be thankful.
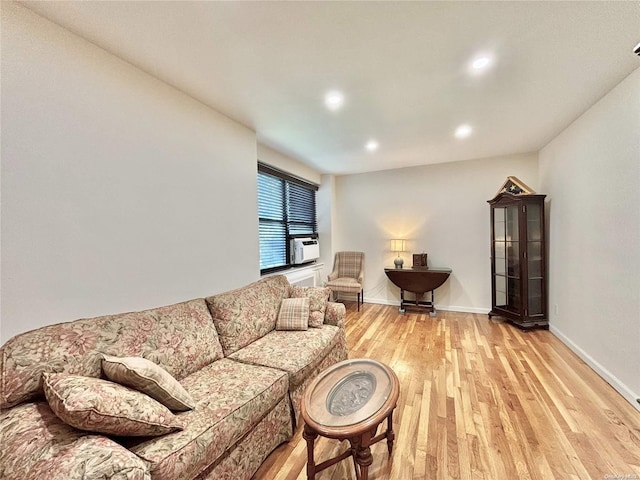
(286, 208)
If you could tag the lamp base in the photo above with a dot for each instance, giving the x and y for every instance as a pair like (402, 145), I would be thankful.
(398, 262)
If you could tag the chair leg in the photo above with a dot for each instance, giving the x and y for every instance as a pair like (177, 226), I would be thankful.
(358, 301)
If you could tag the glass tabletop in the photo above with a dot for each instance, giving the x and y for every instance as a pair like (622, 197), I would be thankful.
(349, 392)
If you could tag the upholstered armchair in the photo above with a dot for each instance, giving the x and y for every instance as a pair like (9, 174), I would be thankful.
(348, 275)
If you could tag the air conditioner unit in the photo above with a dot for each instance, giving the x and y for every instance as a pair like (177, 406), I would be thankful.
(304, 250)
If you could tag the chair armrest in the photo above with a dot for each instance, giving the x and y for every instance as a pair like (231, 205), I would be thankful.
(334, 314)
(333, 275)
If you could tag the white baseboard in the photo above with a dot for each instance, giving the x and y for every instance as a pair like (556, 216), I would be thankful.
(455, 308)
(445, 308)
(609, 377)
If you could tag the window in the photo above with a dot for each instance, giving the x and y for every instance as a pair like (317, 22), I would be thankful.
(286, 209)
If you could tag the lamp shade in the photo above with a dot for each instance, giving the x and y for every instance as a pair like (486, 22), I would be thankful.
(397, 245)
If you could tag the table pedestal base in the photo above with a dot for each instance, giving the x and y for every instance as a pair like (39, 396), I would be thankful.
(417, 304)
(359, 449)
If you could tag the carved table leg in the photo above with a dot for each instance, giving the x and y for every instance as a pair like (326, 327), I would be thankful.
(390, 435)
(310, 436)
(363, 458)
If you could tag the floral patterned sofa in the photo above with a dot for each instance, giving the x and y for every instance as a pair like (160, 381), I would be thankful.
(244, 377)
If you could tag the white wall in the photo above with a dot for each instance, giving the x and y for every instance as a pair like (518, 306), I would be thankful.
(118, 192)
(591, 172)
(441, 209)
(326, 210)
(287, 164)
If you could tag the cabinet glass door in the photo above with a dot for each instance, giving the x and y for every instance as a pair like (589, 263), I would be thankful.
(534, 259)
(507, 258)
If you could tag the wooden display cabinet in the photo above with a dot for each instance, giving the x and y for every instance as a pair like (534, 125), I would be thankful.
(518, 259)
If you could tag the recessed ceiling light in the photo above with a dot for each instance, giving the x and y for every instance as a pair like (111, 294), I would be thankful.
(372, 146)
(463, 131)
(334, 100)
(480, 64)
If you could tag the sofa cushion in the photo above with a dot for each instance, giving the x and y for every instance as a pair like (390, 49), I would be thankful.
(231, 399)
(180, 338)
(318, 297)
(38, 445)
(335, 313)
(97, 405)
(337, 353)
(243, 315)
(294, 352)
(147, 377)
(294, 314)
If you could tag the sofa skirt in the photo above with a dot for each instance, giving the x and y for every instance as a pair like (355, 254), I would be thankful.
(243, 459)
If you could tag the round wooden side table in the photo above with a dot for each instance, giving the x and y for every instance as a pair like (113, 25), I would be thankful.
(348, 401)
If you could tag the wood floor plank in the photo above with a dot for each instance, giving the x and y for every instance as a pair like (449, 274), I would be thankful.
(480, 400)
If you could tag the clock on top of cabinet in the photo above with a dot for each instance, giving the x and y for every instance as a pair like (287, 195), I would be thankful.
(518, 256)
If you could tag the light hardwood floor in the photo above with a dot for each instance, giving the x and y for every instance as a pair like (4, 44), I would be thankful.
(480, 399)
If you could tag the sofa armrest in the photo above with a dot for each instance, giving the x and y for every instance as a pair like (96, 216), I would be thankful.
(334, 314)
(57, 450)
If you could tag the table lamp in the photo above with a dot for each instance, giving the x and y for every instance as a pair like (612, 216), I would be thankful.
(397, 245)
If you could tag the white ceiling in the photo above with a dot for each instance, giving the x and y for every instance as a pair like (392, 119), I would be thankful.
(402, 67)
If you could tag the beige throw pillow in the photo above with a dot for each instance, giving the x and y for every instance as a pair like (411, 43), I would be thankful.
(294, 314)
(144, 375)
(97, 405)
(317, 302)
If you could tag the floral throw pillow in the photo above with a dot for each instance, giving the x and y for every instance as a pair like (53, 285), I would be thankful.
(147, 377)
(294, 314)
(317, 302)
(97, 405)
